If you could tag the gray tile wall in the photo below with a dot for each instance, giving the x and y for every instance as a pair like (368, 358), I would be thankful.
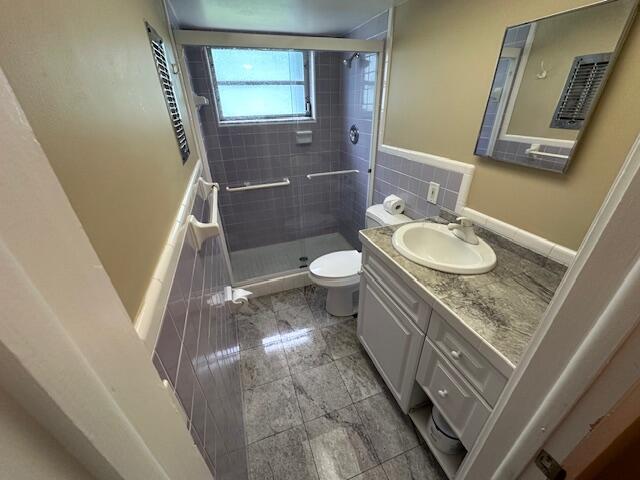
(515, 37)
(409, 180)
(514, 152)
(264, 153)
(489, 120)
(358, 91)
(268, 152)
(197, 352)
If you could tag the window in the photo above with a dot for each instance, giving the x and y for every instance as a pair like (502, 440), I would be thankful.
(261, 85)
(583, 83)
(162, 67)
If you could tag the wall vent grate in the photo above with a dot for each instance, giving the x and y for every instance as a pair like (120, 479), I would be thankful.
(166, 83)
(581, 88)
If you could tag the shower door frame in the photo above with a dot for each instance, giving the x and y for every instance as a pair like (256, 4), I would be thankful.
(183, 38)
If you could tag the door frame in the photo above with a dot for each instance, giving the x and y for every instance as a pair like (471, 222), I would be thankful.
(592, 314)
(69, 354)
(63, 319)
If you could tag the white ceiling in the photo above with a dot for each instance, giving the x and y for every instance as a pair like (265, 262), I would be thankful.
(306, 17)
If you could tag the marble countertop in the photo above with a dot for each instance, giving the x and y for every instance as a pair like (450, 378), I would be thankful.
(503, 307)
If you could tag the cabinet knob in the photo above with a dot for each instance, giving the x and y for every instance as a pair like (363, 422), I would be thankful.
(455, 354)
(443, 393)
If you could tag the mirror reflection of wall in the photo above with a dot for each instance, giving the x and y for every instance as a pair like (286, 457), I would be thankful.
(547, 80)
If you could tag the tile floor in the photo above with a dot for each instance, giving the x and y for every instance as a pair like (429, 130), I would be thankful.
(283, 257)
(314, 406)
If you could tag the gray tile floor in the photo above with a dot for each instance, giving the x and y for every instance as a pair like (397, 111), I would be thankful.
(314, 406)
(283, 257)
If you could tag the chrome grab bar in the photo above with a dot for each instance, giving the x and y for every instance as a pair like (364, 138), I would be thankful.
(326, 174)
(258, 186)
(535, 150)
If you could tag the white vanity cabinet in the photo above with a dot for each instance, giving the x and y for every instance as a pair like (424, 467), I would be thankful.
(418, 352)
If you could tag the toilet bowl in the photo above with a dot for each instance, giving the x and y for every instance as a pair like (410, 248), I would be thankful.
(339, 272)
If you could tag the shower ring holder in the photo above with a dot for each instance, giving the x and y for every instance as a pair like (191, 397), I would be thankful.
(354, 134)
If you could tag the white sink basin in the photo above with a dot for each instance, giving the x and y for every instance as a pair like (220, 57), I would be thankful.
(435, 246)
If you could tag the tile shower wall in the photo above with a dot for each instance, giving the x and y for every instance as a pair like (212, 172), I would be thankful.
(197, 353)
(409, 180)
(489, 121)
(268, 152)
(516, 37)
(515, 152)
(358, 93)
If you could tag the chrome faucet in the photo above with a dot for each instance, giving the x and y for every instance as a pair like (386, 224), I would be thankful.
(464, 230)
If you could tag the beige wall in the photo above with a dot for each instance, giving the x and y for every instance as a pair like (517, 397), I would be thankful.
(84, 75)
(28, 452)
(558, 40)
(437, 41)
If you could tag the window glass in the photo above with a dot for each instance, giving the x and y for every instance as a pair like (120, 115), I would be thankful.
(253, 84)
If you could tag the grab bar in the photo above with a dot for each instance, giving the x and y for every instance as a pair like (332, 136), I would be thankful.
(326, 174)
(248, 186)
(202, 231)
(535, 150)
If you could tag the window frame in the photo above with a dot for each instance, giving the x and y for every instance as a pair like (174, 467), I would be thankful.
(308, 83)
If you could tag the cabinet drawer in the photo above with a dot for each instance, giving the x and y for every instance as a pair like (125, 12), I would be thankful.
(397, 289)
(477, 370)
(464, 410)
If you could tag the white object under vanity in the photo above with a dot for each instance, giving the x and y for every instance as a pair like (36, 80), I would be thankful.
(431, 347)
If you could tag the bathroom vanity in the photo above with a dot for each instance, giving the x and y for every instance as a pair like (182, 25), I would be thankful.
(450, 340)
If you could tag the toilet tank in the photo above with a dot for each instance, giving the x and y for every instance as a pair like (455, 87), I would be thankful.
(377, 216)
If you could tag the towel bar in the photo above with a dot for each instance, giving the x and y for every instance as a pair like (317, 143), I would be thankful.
(258, 186)
(535, 150)
(326, 174)
(202, 231)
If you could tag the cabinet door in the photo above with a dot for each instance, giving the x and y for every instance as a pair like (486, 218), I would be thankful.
(392, 341)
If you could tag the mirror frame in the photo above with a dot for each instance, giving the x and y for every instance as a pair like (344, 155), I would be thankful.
(612, 62)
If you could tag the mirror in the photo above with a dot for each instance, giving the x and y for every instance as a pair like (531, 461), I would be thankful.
(548, 78)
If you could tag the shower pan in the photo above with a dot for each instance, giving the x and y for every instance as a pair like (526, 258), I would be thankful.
(291, 189)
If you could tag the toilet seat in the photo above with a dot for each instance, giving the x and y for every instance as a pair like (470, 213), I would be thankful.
(337, 269)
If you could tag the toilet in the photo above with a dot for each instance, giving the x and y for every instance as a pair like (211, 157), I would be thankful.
(339, 272)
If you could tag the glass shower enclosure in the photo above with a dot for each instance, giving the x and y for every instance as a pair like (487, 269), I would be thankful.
(288, 136)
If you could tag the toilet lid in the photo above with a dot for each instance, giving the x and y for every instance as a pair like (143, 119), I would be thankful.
(337, 264)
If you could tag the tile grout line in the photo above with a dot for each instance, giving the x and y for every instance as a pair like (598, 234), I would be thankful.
(247, 443)
(304, 425)
(353, 403)
(369, 470)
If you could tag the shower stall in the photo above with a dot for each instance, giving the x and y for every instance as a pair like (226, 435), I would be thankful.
(289, 137)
